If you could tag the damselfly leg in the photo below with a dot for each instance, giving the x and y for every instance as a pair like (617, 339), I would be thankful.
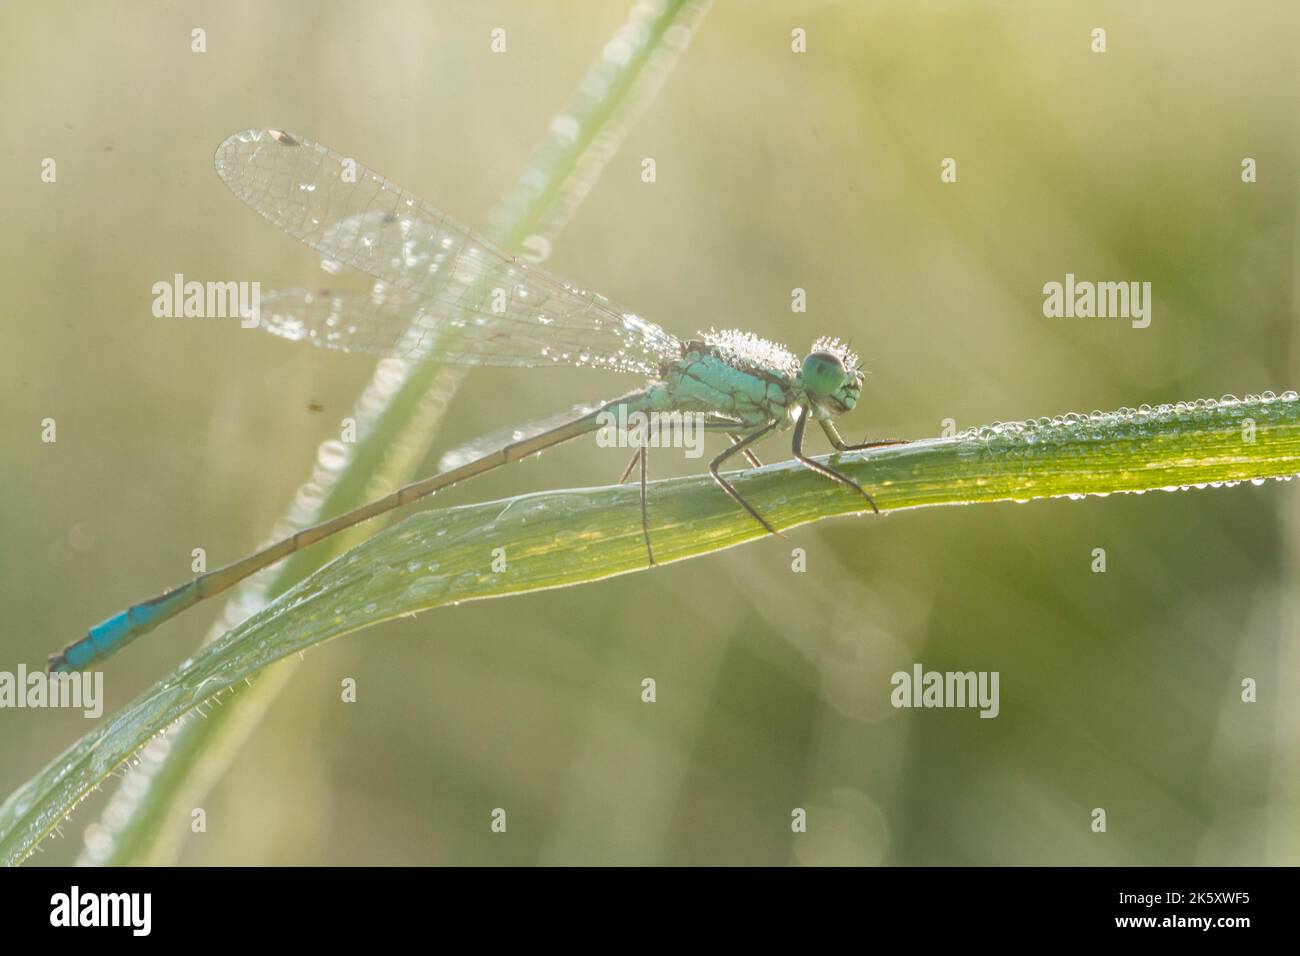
(738, 448)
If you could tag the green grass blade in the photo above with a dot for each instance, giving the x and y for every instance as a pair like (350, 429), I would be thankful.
(560, 538)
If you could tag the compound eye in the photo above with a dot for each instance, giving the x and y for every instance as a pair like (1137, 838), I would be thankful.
(823, 373)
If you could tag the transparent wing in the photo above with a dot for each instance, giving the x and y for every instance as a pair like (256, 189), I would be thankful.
(395, 323)
(467, 301)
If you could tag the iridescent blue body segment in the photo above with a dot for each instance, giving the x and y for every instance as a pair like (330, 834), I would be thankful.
(112, 634)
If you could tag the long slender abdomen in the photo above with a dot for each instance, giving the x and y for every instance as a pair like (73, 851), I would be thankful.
(111, 635)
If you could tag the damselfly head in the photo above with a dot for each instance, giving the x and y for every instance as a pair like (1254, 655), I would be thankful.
(831, 376)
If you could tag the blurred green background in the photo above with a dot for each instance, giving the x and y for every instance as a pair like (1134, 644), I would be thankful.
(821, 171)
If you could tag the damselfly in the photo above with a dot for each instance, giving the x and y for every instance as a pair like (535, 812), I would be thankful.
(445, 295)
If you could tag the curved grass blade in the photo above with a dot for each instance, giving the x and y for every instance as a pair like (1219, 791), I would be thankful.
(560, 538)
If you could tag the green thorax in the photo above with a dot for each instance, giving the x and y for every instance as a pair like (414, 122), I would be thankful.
(735, 374)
